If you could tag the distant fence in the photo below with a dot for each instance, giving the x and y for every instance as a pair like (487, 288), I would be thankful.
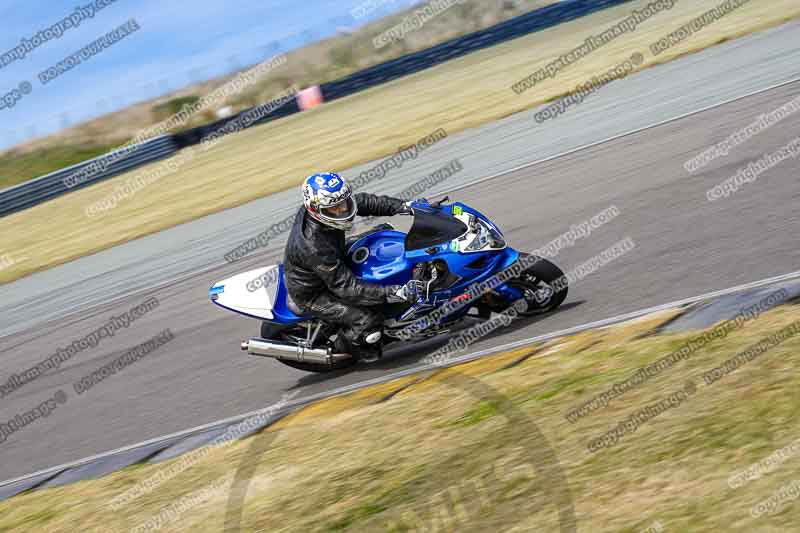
(50, 186)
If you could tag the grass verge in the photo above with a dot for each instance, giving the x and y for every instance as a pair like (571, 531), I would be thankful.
(467, 450)
(460, 94)
(18, 168)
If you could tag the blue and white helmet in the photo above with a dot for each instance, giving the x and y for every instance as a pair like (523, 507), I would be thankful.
(328, 199)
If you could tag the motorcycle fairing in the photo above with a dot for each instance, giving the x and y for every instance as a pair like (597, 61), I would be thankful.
(265, 303)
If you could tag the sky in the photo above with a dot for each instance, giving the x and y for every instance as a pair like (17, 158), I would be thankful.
(178, 42)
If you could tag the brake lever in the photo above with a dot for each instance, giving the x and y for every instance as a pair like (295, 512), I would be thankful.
(434, 276)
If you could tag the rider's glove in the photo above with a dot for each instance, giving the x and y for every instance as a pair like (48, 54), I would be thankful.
(411, 292)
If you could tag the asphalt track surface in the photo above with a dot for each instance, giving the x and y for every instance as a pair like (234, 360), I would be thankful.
(685, 245)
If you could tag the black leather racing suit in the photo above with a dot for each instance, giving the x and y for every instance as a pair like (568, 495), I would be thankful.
(318, 278)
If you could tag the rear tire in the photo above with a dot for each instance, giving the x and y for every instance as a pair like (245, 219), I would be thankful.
(271, 331)
(319, 369)
(277, 332)
(542, 271)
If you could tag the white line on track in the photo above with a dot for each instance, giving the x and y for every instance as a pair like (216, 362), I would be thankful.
(421, 368)
(621, 135)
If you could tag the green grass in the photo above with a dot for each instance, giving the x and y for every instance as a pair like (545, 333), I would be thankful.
(483, 410)
(18, 168)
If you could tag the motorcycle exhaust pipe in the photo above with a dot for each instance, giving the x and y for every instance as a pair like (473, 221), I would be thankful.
(291, 351)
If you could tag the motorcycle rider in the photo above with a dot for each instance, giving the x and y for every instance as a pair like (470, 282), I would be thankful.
(318, 280)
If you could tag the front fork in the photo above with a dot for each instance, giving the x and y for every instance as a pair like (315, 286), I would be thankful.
(533, 291)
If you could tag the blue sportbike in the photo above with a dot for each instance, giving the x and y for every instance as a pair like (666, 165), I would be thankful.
(458, 256)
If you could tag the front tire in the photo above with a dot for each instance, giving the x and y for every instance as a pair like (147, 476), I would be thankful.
(542, 274)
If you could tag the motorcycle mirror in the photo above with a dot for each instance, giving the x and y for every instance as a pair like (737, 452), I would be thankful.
(439, 203)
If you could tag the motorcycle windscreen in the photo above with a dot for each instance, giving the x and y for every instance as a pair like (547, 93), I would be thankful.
(431, 228)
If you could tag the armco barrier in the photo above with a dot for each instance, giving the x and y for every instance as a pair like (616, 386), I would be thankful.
(52, 185)
(195, 135)
(531, 22)
(47, 187)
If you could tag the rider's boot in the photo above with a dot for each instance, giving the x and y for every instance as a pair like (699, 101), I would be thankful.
(367, 350)
(368, 353)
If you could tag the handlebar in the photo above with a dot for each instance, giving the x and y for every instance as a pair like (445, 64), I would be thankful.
(423, 203)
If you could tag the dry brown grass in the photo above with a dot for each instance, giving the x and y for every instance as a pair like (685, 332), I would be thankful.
(461, 448)
(460, 94)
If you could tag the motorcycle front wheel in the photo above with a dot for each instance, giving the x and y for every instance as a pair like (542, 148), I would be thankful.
(544, 286)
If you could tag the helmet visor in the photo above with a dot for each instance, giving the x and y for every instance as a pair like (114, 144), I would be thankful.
(344, 210)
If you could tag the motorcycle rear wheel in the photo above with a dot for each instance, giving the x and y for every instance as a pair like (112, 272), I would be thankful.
(271, 331)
